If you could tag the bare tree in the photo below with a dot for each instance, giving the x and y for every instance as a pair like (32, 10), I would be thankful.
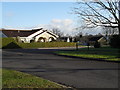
(99, 13)
(109, 31)
(57, 32)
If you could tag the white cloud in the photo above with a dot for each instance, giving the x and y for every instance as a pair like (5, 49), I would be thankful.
(56, 21)
(65, 25)
(65, 22)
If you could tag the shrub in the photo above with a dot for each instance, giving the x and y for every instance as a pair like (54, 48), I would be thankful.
(46, 44)
(115, 41)
(6, 41)
(11, 45)
(97, 44)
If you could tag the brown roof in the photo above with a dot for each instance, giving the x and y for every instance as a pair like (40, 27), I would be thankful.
(95, 38)
(21, 33)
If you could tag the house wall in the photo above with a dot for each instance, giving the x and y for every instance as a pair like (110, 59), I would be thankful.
(25, 39)
(46, 36)
(39, 36)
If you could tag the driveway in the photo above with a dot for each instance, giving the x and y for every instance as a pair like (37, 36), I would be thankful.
(74, 72)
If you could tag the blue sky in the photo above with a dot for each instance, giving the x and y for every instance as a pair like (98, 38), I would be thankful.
(30, 14)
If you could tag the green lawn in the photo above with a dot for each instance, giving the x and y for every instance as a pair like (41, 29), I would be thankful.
(15, 79)
(106, 53)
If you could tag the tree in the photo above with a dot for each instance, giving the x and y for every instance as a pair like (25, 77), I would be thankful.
(99, 13)
(57, 32)
(78, 36)
(109, 31)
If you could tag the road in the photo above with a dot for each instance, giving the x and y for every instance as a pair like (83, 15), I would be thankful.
(74, 72)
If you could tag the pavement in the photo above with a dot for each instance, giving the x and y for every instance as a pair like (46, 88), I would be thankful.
(73, 72)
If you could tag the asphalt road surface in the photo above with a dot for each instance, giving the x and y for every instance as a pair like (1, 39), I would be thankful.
(74, 72)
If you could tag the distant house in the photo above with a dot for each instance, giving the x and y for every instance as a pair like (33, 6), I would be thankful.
(66, 39)
(95, 38)
(100, 39)
(34, 35)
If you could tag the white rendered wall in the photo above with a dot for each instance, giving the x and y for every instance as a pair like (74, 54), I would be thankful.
(44, 35)
(25, 39)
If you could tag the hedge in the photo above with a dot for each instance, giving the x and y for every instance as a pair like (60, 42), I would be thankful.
(115, 41)
(46, 44)
(6, 41)
(11, 43)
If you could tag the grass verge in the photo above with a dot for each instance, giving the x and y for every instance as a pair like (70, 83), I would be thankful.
(0, 79)
(15, 79)
(106, 53)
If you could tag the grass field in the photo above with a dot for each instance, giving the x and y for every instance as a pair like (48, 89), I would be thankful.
(15, 79)
(106, 53)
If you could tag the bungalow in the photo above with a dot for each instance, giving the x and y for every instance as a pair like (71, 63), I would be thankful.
(34, 35)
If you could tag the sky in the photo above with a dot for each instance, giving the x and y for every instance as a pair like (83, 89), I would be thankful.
(29, 15)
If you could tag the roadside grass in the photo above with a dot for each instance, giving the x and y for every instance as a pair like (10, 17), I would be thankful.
(0, 78)
(15, 79)
(106, 53)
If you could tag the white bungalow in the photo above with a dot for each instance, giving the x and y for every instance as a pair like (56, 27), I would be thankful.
(34, 35)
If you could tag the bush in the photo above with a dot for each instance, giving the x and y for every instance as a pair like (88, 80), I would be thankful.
(115, 41)
(11, 45)
(46, 44)
(97, 44)
(6, 41)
